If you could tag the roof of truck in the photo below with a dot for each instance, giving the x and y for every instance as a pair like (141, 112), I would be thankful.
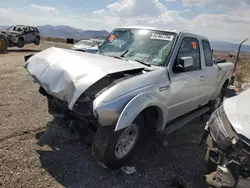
(24, 26)
(145, 27)
(160, 29)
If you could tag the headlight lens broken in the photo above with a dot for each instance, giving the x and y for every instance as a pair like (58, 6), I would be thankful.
(221, 129)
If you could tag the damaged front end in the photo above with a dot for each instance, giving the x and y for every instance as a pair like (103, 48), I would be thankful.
(70, 93)
(228, 154)
(68, 123)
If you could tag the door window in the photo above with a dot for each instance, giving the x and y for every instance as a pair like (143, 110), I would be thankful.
(32, 29)
(189, 48)
(27, 30)
(207, 53)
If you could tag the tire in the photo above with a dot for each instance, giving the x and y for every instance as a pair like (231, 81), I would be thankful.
(214, 104)
(37, 41)
(20, 43)
(105, 148)
(3, 43)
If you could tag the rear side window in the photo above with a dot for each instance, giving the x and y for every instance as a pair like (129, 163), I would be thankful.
(37, 30)
(207, 53)
(32, 29)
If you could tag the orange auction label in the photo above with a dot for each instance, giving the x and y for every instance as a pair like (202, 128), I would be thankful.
(112, 37)
(194, 44)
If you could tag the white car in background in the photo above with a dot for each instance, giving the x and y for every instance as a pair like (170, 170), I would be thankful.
(83, 45)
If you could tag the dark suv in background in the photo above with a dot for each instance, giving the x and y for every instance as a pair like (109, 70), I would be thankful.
(18, 35)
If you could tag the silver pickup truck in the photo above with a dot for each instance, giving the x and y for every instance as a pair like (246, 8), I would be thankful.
(140, 79)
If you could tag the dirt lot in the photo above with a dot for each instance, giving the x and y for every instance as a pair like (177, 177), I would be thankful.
(23, 115)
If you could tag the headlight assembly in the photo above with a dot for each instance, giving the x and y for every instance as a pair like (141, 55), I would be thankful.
(221, 129)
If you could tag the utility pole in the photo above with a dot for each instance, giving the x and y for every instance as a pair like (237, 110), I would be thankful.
(236, 61)
(238, 53)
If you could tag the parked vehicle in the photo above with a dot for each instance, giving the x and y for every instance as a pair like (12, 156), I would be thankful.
(83, 45)
(18, 35)
(227, 135)
(94, 49)
(141, 79)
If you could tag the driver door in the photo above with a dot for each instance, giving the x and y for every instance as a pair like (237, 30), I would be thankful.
(29, 35)
(186, 83)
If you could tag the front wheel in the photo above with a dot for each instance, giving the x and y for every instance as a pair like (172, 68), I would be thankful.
(3, 43)
(113, 149)
(214, 104)
(20, 43)
(37, 41)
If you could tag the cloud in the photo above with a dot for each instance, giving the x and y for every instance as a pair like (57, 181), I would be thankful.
(231, 23)
(217, 4)
(45, 9)
(135, 8)
(100, 12)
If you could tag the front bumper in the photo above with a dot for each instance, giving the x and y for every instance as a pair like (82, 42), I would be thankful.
(228, 167)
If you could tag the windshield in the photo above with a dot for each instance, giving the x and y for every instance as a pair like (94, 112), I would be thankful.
(16, 28)
(148, 46)
(85, 42)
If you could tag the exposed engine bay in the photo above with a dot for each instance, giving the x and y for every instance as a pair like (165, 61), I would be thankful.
(228, 153)
(81, 116)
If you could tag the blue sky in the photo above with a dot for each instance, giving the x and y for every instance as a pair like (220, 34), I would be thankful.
(217, 19)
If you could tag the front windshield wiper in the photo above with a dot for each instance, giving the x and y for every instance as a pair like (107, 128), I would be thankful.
(121, 56)
(117, 57)
(124, 53)
(147, 64)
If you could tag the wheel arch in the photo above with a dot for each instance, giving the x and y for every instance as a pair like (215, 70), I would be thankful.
(6, 39)
(223, 84)
(146, 103)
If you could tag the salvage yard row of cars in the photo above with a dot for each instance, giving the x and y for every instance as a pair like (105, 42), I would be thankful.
(139, 80)
(20, 35)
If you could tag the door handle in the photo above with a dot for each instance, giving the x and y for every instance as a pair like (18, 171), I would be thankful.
(202, 78)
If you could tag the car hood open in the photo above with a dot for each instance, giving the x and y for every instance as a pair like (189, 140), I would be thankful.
(66, 74)
(238, 113)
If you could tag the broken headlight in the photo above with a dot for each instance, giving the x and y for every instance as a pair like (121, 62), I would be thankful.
(221, 129)
(83, 106)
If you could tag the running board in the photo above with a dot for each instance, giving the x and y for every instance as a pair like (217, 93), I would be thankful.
(180, 122)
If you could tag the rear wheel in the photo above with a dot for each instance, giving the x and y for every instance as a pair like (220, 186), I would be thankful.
(37, 41)
(113, 149)
(214, 104)
(3, 43)
(20, 43)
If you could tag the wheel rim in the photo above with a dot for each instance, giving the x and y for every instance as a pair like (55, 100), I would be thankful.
(2, 43)
(217, 101)
(126, 141)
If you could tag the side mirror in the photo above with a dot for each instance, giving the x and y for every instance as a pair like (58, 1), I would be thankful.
(186, 62)
(214, 60)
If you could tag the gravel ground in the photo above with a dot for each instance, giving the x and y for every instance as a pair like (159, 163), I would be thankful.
(23, 116)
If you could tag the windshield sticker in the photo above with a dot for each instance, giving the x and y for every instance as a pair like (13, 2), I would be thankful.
(161, 36)
(194, 44)
(112, 37)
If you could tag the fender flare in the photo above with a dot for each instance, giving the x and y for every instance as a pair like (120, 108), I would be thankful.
(221, 84)
(136, 105)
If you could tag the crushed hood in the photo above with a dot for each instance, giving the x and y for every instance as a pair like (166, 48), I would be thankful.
(7, 32)
(66, 74)
(238, 113)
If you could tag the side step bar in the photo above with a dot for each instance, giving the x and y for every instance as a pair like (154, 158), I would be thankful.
(180, 122)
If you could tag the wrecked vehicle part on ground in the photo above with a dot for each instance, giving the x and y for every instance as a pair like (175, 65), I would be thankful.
(227, 136)
(140, 78)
